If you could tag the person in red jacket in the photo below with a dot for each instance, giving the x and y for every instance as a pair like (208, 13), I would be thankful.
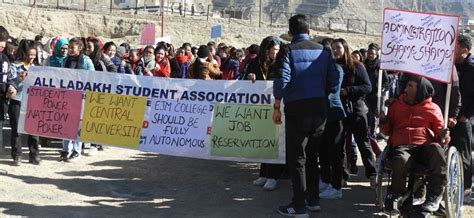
(162, 64)
(415, 126)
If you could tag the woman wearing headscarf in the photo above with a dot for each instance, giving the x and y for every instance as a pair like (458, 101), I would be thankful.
(260, 69)
(59, 53)
(76, 59)
(415, 126)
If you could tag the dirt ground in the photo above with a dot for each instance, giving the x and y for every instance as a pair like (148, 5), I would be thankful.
(127, 183)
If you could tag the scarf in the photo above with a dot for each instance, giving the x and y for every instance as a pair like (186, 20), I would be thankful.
(181, 59)
(57, 60)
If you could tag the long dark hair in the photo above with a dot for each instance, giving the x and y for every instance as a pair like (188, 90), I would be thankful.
(263, 59)
(347, 59)
(22, 51)
(96, 54)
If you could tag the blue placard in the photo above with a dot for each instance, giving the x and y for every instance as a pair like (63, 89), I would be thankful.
(216, 31)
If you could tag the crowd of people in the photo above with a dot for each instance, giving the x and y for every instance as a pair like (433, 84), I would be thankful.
(330, 104)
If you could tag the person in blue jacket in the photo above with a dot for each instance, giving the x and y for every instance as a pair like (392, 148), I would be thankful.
(304, 74)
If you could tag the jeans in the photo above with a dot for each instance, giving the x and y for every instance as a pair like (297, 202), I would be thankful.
(70, 146)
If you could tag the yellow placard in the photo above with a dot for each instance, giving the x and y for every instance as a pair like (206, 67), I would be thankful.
(113, 119)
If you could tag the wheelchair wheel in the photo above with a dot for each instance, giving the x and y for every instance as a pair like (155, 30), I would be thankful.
(454, 193)
(382, 178)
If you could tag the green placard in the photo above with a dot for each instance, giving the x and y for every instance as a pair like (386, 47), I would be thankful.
(245, 131)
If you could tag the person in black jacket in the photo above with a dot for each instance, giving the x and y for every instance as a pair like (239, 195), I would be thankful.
(259, 69)
(372, 65)
(355, 86)
(462, 132)
(5, 68)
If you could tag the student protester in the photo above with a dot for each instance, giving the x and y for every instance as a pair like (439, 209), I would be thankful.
(25, 56)
(224, 54)
(76, 59)
(110, 51)
(304, 72)
(101, 61)
(183, 64)
(162, 65)
(124, 55)
(462, 132)
(232, 65)
(10, 51)
(415, 127)
(194, 51)
(363, 54)
(60, 49)
(252, 54)
(201, 68)
(121, 55)
(331, 151)
(260, 69)
(187, 49)
(41, 54)
(127, 48)
(5, 67)
(355, 86)
(133, 63)
(213, 49)
(372, 65)
(101, 58)
(356, 56)
(148, 62)
(59, 53)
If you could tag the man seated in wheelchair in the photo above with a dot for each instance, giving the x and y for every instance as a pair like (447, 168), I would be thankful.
(415, 127)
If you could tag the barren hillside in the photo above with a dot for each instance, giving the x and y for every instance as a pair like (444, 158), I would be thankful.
(121, 27)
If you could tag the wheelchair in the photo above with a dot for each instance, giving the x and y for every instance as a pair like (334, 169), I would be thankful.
(453, 196)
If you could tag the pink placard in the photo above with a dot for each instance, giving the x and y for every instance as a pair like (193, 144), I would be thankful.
(148, 35)
(53, 112)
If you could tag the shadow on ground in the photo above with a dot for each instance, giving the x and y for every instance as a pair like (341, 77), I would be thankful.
(152, 185)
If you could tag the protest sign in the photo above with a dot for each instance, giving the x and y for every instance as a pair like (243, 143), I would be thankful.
(54, 113)
(112, 119)
(216, 31)
(177, 127)
(419, 43)
(167, 116)
(147, 36)
(244, 131)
